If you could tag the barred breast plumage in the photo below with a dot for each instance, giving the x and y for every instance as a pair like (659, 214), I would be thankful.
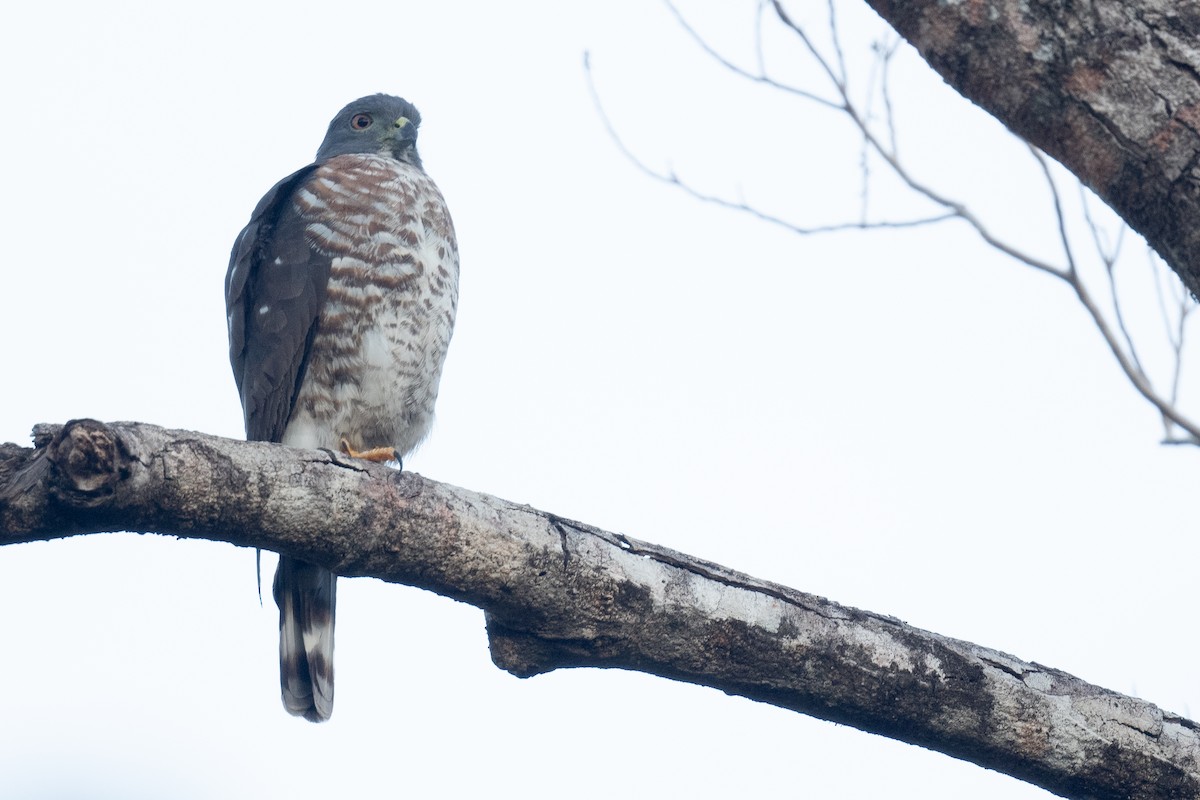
(376, 359)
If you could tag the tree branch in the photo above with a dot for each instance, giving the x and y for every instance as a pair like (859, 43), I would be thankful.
(873, 143)
(1110, 88)
(560, 593)
(670, 178)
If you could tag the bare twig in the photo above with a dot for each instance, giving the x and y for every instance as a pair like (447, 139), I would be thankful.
(887, 50)
(1175, 323)
(1116, 335)
(672, 179)
(1126, 360)
(955, 208)
(759, 52)
(737, 70)
(1059, 217)
(835, 37)
(1071, 274)
(1108, 257)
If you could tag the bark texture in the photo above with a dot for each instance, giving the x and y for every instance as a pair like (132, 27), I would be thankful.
(1109, 88)
(559, 593)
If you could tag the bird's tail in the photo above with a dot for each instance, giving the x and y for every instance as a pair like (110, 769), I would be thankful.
(306, 595)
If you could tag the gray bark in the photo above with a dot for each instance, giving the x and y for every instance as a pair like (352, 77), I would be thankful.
(559, 593)
(1109, 88)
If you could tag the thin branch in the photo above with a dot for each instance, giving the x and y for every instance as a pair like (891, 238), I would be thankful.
(1111, 138)
(1125, 354)
(1127, 362)
(1109, 254)
(737, 70)
(759, 52)
(1185, 305)
(878, 65)
(1059, 217)
(1160, 295)
(957, 209)
(843, 75)
(838, 81)
(1071, 275)
(888, 51)
(1139, 381)
(1108, 257)
(1120, 342)
(672, 179)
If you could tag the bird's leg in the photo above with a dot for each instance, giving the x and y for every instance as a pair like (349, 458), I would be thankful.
(378, 454)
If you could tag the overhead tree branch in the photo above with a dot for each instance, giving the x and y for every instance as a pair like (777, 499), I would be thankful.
(1116, 334)
(560, 593)
(1109, 88)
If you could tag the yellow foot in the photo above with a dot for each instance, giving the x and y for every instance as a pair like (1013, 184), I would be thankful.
(379, 454)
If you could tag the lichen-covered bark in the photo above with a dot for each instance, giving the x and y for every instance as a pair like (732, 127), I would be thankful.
(1110, 88)
(559, 594)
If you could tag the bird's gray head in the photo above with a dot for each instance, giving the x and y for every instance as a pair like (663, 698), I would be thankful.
(379, 124)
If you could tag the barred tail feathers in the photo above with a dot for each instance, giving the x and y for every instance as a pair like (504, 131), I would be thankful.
(306, 595)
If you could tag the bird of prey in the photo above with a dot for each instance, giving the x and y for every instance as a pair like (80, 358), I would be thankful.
(341, 294)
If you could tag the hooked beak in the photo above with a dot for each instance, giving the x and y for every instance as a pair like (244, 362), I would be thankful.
(400, 141)
(403, 131)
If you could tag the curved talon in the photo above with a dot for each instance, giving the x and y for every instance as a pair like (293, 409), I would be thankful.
(377, 454)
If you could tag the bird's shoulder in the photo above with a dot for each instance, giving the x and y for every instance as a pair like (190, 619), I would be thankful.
(248, 247)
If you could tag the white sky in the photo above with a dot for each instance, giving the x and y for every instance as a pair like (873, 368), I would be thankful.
(904, 421)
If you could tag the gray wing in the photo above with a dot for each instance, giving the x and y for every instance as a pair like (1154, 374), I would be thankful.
(274, 291)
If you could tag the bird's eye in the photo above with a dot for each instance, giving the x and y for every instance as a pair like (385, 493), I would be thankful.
(361, 121)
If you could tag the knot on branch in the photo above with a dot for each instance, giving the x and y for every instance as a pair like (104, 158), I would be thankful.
(89, 460)
(522, 653)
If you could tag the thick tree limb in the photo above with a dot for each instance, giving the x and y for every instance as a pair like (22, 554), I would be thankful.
(1110, 88)
(560, 594)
